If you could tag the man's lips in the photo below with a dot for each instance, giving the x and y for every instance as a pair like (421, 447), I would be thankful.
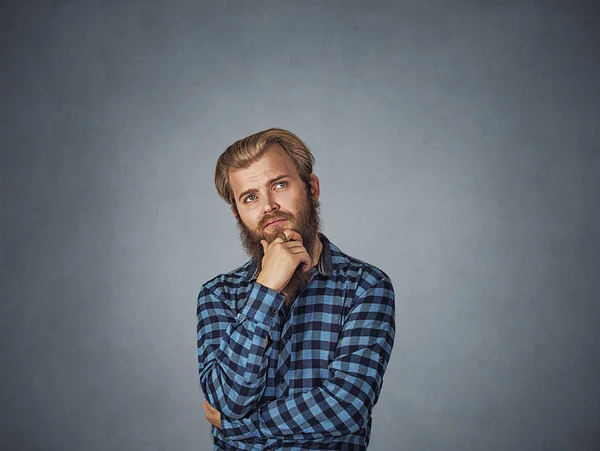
(275, 222)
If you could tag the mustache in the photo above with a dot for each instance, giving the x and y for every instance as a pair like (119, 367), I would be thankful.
(274, 217)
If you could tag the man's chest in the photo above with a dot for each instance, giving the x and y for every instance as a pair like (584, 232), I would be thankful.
(305, 342)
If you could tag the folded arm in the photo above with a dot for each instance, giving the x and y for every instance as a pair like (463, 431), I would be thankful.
(232, 354)
(342, 404)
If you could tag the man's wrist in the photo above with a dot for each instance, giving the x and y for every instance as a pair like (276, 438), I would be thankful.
(262, 306)
(266, 283)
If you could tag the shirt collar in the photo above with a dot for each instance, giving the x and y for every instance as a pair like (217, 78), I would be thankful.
(324, 265)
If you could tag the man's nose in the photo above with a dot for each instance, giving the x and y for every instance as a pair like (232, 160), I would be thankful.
(270, 204)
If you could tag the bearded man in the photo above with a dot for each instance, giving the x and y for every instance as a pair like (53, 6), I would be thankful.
(293, 345)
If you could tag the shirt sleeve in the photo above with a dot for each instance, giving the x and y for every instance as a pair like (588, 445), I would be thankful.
(232, 360)
(342, 405)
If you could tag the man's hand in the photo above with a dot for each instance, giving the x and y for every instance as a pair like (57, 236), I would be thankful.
(212, 415)
(281, 260)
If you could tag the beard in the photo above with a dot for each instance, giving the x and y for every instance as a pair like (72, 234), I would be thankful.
(306, 223)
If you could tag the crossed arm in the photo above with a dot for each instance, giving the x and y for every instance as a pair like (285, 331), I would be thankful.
(233, 362)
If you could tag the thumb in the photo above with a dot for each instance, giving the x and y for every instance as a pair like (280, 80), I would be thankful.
(265, 245)
(306, 264)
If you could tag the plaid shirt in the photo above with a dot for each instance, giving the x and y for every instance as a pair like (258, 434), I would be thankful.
(315, 386)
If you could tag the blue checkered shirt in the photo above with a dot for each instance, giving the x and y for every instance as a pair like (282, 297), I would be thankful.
(315, 385)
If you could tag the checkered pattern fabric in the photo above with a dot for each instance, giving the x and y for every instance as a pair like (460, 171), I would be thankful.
(315, 385)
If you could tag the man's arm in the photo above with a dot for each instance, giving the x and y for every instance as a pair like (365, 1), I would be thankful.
(231, 350)
(343, 403)
(232, 354)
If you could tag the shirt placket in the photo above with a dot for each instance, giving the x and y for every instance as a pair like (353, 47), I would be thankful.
(284, 355)
(286, 341)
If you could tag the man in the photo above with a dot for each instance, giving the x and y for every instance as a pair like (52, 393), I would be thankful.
(293, 345)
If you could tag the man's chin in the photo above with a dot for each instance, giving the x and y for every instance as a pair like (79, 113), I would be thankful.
(272, 232)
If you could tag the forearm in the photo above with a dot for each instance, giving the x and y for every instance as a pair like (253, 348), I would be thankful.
(324, 412)
(232, 353)
(233, 380)
(343, 403)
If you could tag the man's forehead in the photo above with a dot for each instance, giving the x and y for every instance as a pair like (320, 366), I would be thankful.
(273, 163)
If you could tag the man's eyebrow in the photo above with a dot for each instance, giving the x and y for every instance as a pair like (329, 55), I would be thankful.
(270, 182)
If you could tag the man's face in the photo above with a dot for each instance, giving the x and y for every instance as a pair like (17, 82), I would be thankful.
(270, 197)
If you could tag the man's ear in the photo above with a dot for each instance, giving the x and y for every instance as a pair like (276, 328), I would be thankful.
(315, 188)
(234, 211)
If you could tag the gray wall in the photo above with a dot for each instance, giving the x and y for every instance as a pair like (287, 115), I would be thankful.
(457, 145)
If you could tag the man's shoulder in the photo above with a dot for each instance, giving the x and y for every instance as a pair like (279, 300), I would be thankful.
(232, 279)
(346, 265)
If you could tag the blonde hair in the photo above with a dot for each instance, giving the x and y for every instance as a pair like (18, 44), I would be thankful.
(246, 151)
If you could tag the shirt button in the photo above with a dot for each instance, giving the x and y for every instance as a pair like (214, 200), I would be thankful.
(382, 360)
(288, 336)
(273, 310)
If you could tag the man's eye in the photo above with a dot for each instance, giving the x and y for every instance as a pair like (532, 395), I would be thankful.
(249, 198)
(281, 183)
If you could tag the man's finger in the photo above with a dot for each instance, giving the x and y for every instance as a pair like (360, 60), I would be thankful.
(293, 245)
(213, 416)
(209, 408)
(292, 235)
(307, 262)
(304, 258)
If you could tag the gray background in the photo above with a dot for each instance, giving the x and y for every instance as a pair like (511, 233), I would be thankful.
(457, 146)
